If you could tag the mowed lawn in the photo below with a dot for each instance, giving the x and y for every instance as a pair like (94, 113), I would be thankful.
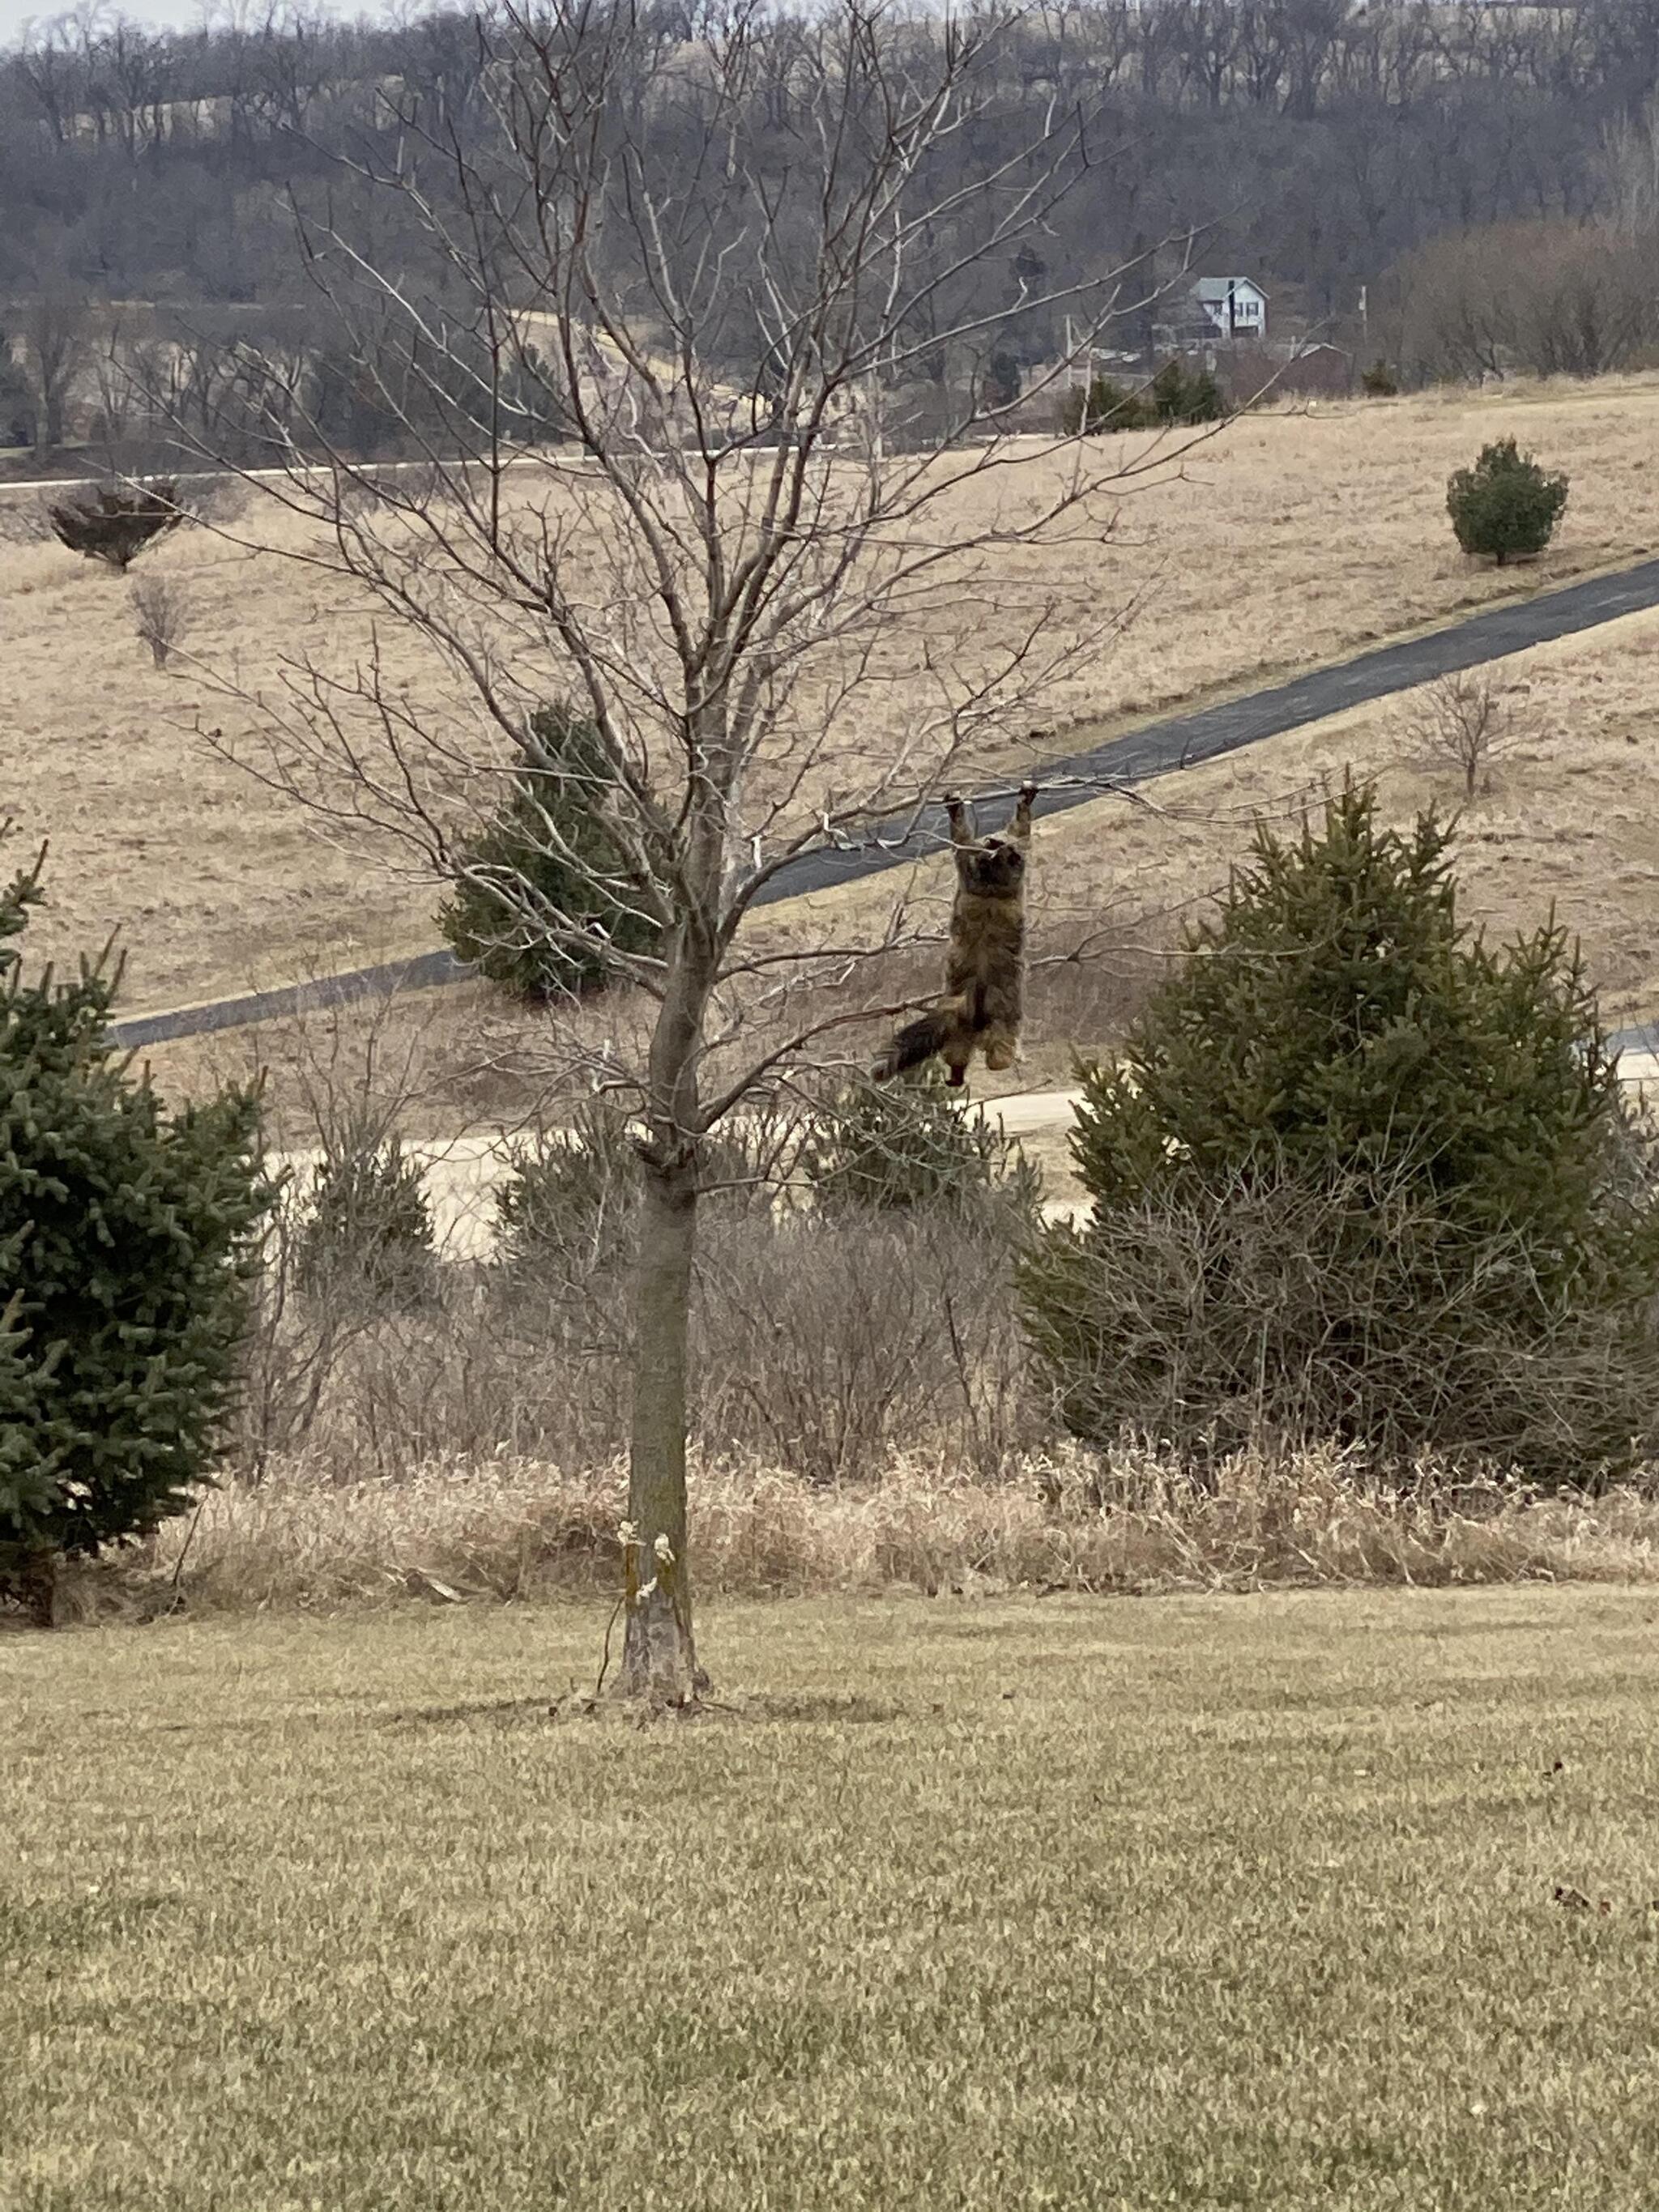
(1241, 1902)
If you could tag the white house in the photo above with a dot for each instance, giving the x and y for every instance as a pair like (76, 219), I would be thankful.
(1231, 307)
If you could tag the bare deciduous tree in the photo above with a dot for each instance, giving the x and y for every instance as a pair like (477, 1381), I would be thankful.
(719, 274)
(1550, 299)
(55, 328)
(160, 613)
(1461, 722)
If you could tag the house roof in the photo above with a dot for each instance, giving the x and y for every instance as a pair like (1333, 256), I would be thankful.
(1216, 289)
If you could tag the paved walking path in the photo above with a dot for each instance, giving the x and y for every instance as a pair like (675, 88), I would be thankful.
(1174, 741)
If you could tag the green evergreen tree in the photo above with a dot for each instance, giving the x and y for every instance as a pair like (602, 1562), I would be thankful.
(1105, 405)
(1359, 1172)
(545, 896)
(569, 1200)
(1178, 396)
(128, 1240)
(1505, 505)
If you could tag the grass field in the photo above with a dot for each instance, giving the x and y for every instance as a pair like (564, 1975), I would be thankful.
(1565, 820)
(1182, 1903)
(1289, 538)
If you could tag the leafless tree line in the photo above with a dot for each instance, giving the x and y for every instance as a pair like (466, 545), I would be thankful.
(1312, 142)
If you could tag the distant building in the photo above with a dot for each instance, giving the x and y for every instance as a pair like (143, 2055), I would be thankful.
(1230, 307)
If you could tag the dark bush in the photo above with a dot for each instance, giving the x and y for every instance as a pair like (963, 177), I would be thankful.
(1180, 395)
(544, 898)
(1504, 506)
(1359, 1176)
(115, 524)
(566, 1207)
(366, 1232)
(1175, 395)
(1104, 405)
(127, 1246)
(1379, 381)
(1003, 379)
(907, 1148)
(565, 1210)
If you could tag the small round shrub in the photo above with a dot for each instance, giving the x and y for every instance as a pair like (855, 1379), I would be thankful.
(366, 1232)
(1379, 381)
(543, 897)
(569, 1198)
(566, 1206)
(907, 1148)
(1506, 506)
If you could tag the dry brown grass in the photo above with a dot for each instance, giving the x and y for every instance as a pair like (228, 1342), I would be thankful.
(1291, 538)
(1331, 1901)
(1566, 817)
(504, 1528)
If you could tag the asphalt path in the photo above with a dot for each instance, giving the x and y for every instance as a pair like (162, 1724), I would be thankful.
(1156, 749)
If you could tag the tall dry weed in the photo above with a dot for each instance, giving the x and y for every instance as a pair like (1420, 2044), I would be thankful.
(509, 1528)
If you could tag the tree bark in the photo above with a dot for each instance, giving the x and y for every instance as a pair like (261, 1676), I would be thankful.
(29, 1575)
(659, 1659)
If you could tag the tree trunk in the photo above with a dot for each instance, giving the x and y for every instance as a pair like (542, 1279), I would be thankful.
(659, 1659)
(29, 1575)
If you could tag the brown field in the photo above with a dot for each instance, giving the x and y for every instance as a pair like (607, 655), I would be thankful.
(1288, 539)
(1566, 817)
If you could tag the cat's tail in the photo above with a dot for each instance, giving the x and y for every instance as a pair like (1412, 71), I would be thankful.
(921, 1039)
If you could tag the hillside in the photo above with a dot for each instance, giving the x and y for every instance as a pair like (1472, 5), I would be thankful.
(1289, 538)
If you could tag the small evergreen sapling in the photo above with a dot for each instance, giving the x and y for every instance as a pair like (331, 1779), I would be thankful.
(1506, 506)
(367, 1232)
(1105, 405)
(128, 1241)
(908, 1148)
(1180, 396)
(544, 896)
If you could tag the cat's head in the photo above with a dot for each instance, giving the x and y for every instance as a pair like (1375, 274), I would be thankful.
(993, 868)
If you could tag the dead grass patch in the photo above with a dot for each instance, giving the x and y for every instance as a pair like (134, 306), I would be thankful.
(502, 1527)
(1290, 539)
